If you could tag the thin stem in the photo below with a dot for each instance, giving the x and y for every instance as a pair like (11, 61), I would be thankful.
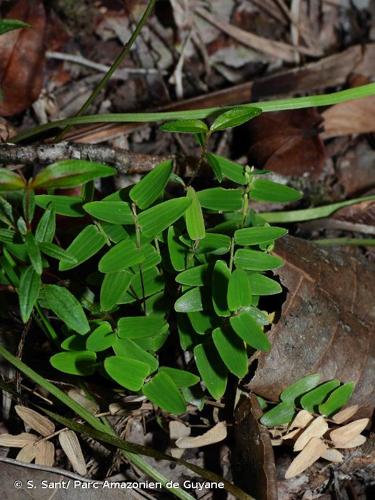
(46, 325)
(361, 242)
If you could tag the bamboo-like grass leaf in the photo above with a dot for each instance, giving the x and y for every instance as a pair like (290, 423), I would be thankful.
(28, 292)
(10, 181)
(239, 290)
(262, 285)
(113, 288)
(316, 396)
(211, 369)
(130, 349)
(135, 327)
(181, 378)
(337, 399)
(293, 391)
(194, 217)
(185, 127)
(266, 190)
(101, 338)
(221, 199)
(232, 350)
(128, 372)
(220, 282)
(74, 362)
(114, 212)
(33, 251)
(279, 415)
(120, 257)
(70, 206)
(57, 252)
(163, 392)
(152, 185)
(250, 331)
(46, 227)
(255, 260)
(154, 220)
(234, 117)
(190, 301)
(66, 307)
(258, 235)
(194, 276)
(70, 173)
(178, 252)
(214, 243)
(223, 167)
(84, 246)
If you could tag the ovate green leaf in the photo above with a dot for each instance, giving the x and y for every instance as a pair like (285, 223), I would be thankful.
(115, 212)
(177, 251)
(163, 392)
(220, 199)
(223, 167)
(261, 285)
(293, 391)
(113, 288)
(130, 349)
(89, 241)
(279, 415)
(194, 217)
(234, 117)
(211, 369)
(74, 362)
(258, 235)
(152, 185)
(28, 292)
(71, 206)
(239, 290)
(134, 327)
(337, 399)
(154, 220)
(190, 301)
(10, 25)
(101, 338)
(250, 331)
(194, 276)
(181, 378)
(10, 181)
(220, 282)
(127, 372)
(122, 256)
(185, 127)
(255, 260)
(46, 228)
(232, 350)
(316, 396)
(266, 190)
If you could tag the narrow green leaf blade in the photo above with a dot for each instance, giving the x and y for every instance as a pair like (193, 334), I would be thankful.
(254, 260)
(293, 391)
(194, 276)
(181, 378)
(258, 235)
(250, 331)
(279, 415)
(185, 127)
(194, 217)
(11, 24)
(232, 350)
(337, 399)
(114, 212)
(33, 251)
(163, 392)
(221, 199)
(239, 290)
(10, 181)
(135, 327)
(223, 167)
(113, 288)
(234, 117)
(220, 282)
(154, 220)
(120, 257)
(266, 190)
(211, 369)
(127, 372)
(152, 185)
(74, 362)
(70, 206)
(84, 246)
(57, 252)
(46, 228)
(316, 396)
(28, 292)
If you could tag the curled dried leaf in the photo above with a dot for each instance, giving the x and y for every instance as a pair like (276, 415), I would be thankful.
(35, 421)
(353, 443)
(348, 432)
(72, 449)
(27, 453)
(345, 414)
(333, 455)
(301, 420)
(314, 449)
(45, 453)
(17, 440)
(315, 430)
(214, 435)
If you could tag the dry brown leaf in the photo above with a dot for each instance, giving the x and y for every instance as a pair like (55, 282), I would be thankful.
(333, 455)
(301, 420)
(291, 434)
(316, 429)
(45, 453)
(72, 449)
(276, 442)
(327, 320)
(80, 398)
(22, 58)
(348, 432)
(353, 443)
(35, 421)
(178, 430)
(345, 414)
(351, 117)
(17, 440)
(309, 455)
(27, 453)
(214, 435)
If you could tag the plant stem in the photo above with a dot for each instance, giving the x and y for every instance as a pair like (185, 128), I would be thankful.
(362, 242)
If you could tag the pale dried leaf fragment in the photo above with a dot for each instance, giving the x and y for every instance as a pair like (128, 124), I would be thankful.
(314, 449)
(315, 430)
(276, 442)
(72, 449)
(17, 440)
(353, 443)
(27, 453)
(43, 425)
(178, 430)
(333, 455)
(80, 398)
(344, 434)
(214, 435)
(45, 453)
(301, 420)
(291, 434)
(345, 414)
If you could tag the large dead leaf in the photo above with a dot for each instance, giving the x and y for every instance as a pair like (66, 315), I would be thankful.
(326, 325)
(351, 117)
(287, 142)
(22, 58)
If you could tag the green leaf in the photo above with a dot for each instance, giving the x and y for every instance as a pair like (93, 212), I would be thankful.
(337, 399)
(202, 321)
(122, 256)
(185, 127)
(70, 173)
(266, 190)
(211, 369)
(84, 246)
(220, 282)
(194, 217)
(190, 301)
(74, 362)
(101, 338)
(127, 372)
(163, 392)
(239, 290)
(71, 206)
(10, 181)
(293, 391)
(224, 200)
(153, 343)
(130, 349)
(151, 256)
(7, 235)
(66, 307)
(115, 212)
(261, 285)
(194, 276)
(250, 331)
(232, 350)
(152, 185)
(234, 117)
(316, 396)
(113, 288)
(177, 251)
(143, 285)
(74, 343)
(217, 244)
(28, 292)
(56, 252)
(115, 233)
(279, 415)
(135, 327)
(46, 228)
(6, 212)
(154, 220)
(255, 260)
(33, 252)
(258, 235)
(181, 378)
(223, 167)
(10, 25)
